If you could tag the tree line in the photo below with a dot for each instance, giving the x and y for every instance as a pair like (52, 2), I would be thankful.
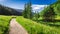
(49, 14)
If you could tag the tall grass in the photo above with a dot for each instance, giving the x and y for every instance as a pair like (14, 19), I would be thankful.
(4, 24)
(36, 28)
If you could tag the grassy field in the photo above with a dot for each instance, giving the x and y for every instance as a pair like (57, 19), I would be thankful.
(36, 28)
(31, 26)
(4, 24)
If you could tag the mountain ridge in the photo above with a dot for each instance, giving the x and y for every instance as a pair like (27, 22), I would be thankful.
(9, 11)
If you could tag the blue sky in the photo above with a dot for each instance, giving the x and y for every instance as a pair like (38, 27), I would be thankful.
(19, 4)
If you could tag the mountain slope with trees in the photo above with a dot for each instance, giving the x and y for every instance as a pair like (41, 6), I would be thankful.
(55, 6)
(8, 11)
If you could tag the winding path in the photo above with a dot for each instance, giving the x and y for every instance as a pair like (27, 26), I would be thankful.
(16, 28)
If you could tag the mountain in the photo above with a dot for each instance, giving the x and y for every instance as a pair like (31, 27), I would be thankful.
(55, 6)
(9, 11)
(19, 10)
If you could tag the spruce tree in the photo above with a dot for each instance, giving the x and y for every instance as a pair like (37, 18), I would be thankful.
(27, 13)
(29, 10)
(36, 15)
(49, 15)
(24, 12)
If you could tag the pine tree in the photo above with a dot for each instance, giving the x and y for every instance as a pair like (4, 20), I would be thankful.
(24, 12)
(49, 15)
(29, 10)
(27, 13)
(37, 15)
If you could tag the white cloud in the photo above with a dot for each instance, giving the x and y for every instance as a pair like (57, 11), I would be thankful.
(38, 7)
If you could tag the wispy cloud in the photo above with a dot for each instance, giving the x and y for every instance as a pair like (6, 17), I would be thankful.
(15, 6)
(38, 7)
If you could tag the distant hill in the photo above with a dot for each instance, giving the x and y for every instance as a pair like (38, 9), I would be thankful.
(9, 11)
(19, 10)
(56, 7)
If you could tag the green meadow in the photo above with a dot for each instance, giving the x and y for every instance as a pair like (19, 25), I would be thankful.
(36, 28)
(4, 24)
(46, 21)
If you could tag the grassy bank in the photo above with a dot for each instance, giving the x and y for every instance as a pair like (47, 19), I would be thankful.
(4, 24)
(36, 28)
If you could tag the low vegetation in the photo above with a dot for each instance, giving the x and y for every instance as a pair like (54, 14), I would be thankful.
(36, 28)
(4, 24)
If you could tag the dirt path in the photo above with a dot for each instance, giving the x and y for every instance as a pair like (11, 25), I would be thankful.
(16, 28)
